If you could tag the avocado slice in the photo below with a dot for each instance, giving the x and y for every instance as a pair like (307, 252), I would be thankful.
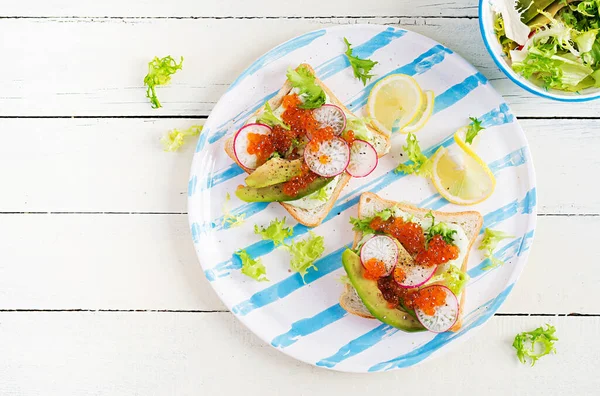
(274, 171)
(275, 193)
(373, 299)
(532, 8)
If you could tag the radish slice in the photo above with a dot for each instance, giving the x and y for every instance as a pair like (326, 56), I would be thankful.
(382, 248)
(415, 275)
(330, 115)
(363, 159)
(445, 316)
(240, 144)
(329, 159)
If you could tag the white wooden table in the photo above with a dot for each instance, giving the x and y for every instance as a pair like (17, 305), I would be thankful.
(100, 289)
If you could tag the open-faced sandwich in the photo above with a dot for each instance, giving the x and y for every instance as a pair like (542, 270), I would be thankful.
(407, 266)
(302, 147)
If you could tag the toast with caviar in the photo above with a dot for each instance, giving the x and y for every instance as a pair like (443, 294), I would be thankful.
(302, 147)
(392, 269)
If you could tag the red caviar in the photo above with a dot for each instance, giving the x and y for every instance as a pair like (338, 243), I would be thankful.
(429, 298)
(261, 146)
(282, 139)
(399, 274)
(349, 137)
(438, 252)
(411, 236)
(301, 121)
(297, 183)
(374, 269)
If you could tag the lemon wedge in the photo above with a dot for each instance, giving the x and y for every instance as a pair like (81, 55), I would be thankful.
(461, 176)
(426, 111)
(395, 102)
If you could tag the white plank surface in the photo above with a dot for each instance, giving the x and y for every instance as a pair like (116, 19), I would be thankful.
(117, 165)
(239, 8)
(148, 262)
(67, 67)
(87, 58)
(212, 354)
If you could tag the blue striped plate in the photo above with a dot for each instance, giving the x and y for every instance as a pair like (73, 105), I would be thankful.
(303, 318)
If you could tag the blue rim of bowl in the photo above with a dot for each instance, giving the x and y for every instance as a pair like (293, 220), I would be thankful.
(508, 73)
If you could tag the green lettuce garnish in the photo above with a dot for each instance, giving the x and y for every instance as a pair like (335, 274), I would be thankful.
(312, 94)
(276, 231)
(565, 54)
(359, 127)
(453, 278)
(321, 195)
(440, 228)
(473, 129)
(363, 225)
(230, 220)
(360, 67)
(305, 252)
(421, 165)
(159, 73)
(173, 140)
(506, 43)
(267, 117)
(251, 267)
(534, 344)
(489, 243)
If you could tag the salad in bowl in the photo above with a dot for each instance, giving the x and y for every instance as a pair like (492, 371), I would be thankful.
(549, 47)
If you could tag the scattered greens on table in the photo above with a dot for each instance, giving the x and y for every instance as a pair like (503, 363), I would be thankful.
(159, 73)
(562, 51)
(173, 140)
(532, 345)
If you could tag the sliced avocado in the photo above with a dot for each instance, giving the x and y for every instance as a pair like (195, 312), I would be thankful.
(275, 193)
(532, 8)
(371, 296)
(274, 171)
(542, 20)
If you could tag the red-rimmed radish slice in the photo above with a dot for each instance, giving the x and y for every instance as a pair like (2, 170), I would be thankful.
(414, 275)
(329, 158)
(382, 248)
(330, 115)
(363, 159)
(240, 144)
(445, 315)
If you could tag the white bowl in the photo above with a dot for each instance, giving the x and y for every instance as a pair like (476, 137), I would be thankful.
(486, 25)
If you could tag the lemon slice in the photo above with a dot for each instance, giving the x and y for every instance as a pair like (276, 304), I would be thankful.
(394, 102)
(461, 176)
(426, 111)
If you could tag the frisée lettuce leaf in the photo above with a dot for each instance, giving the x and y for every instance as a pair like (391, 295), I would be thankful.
(305, 252)
(173, 140)
(276, 231)
(251, 267)
(421, 165)
(311, 93)
(360, 67)
(160, 71)
(489, 243)
(532, 345)
(267, 117)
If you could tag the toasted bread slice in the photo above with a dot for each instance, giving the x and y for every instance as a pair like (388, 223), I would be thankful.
(370, 204)
(314, 217)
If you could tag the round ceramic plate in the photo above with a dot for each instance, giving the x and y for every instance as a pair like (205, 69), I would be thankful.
(302, 317)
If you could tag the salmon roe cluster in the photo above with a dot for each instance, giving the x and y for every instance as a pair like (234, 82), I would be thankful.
(261, 146)
(374, 269)
(438, 252)
(428, 299)
(293, 186)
